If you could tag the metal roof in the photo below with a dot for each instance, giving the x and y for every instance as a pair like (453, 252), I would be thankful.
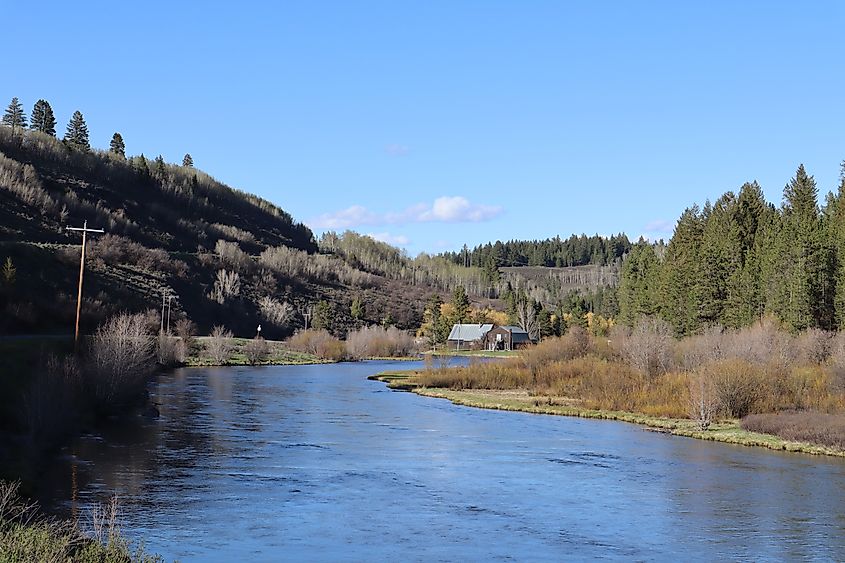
(468, 333)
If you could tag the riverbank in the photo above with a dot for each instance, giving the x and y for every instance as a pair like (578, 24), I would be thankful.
(727, 431)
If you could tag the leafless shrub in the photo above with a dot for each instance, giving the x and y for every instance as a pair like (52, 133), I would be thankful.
(762, 344)
(232, 256)
(295, 264)
(114, 249)
(169, 350)
(185, 330)
(218, 346)
(703, 401)
(738, 385)
(813, 346)
(375, 341)
(648, 348)
(575, 343)
(275, 312)
(120, 357)
(256, 350)
(318, 343)
(233, 233)
(814, 427)
(837, 361)
(227, 284)
(698, 350)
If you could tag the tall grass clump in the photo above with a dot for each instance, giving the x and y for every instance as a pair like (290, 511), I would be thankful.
(806, 426)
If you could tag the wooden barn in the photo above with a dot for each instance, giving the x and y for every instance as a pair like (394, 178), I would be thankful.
(468, 336)
(507, 338)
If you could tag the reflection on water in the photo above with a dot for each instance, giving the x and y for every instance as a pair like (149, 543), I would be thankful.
(316, 462)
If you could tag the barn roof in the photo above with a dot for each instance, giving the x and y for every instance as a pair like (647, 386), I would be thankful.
(468, 332)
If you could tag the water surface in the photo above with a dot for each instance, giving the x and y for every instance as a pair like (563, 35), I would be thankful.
(318, 463)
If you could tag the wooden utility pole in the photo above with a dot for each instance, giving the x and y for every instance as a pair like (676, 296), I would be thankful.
(85, 230)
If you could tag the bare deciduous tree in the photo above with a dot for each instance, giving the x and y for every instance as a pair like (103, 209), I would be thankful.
(256, 350)
(120, 357)
(227, 284)
(649, 346)
(218, 346)
(276, 312)
(703, 404)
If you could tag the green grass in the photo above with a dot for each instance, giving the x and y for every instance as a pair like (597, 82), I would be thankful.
(726, 431)
(278, 355)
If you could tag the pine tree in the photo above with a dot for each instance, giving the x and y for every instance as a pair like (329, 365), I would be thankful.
(43, 119)
(750, 216)
(77, 133)
(682, 272)
(117, 146)
(720, 260)
(800, 262)
(188, 162)
(836, 236)
(14, 116)
(461, 303)
(639, 285)
(160, 168)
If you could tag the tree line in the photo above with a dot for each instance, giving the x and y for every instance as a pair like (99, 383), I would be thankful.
(76, 135)
(735, 261)
(577, 250)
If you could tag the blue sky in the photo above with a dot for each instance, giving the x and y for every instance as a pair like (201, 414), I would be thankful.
(434, 124)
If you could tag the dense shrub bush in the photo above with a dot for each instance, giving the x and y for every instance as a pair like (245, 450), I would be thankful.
(318, 343)
(120, 356)
(379, 342)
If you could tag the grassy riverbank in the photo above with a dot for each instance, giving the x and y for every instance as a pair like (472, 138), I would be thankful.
(277, 354)
(726, 431)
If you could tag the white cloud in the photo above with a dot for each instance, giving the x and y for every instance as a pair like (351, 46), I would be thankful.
(399, 240)
(445, 209)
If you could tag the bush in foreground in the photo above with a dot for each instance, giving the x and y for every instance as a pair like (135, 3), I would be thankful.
(25, 535)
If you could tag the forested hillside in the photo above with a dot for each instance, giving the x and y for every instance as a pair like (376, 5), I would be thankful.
(734, 261)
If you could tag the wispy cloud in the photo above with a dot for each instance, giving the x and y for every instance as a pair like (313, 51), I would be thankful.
(658, 229)
(445, 209)
(396, 149)
(400, 240)
(660, 225)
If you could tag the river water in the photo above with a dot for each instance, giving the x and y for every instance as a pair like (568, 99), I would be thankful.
(318, 463)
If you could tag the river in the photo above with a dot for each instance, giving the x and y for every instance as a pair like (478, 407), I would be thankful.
(318, 463)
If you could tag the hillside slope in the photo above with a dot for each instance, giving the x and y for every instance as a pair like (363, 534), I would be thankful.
(225, 256)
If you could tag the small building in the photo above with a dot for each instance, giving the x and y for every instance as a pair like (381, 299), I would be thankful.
(507, 338)
(468, 336)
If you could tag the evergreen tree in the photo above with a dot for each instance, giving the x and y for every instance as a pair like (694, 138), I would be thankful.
(720, 260)
(639, 285)
(76, 135)
(802, 260)
(461, 303)
(160, 168)
(187, 161)
(744, 297)
(322, 316)
(682, 272)
(42, 118)
(117, 146)
(14, 116)
(356, 309)
(836, 241)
